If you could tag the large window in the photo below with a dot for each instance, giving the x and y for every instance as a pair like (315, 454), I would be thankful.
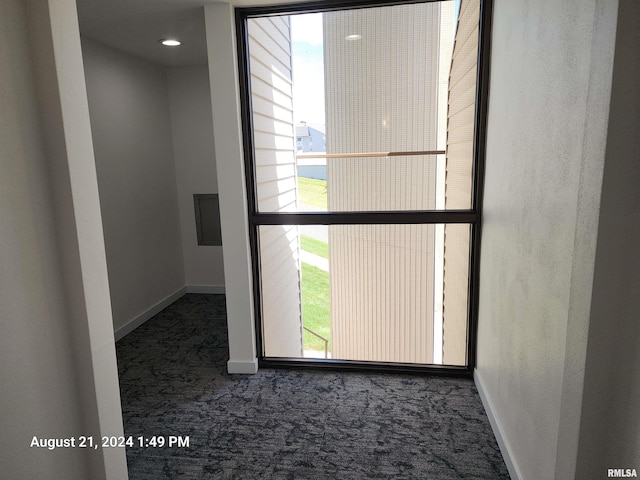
(364, 152)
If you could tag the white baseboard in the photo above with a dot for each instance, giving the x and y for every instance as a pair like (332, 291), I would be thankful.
(134, 323)
(498, 431)
(243, 366)
(216, 289)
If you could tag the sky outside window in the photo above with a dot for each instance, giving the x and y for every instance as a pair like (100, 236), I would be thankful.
(308, 69)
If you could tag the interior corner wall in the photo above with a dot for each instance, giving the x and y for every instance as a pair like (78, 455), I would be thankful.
(545, 153)
(610, 430)
(131, 126)
(195, 164)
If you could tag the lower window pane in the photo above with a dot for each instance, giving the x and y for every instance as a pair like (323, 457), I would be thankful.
(382, 293)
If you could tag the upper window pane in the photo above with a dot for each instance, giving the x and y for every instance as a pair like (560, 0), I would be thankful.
(364, 110)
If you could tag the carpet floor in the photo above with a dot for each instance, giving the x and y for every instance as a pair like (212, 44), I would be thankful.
(287, 424)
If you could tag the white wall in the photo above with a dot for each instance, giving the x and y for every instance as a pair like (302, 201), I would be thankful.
(57, 357)
(223, 73)
(131, 125)
(610, 430)
(193, 153)
(38, 376)
(548, 107)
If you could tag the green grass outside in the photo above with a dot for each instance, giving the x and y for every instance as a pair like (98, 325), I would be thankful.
(315, 306)
(315, 246)
(315, 282)
(312, 192)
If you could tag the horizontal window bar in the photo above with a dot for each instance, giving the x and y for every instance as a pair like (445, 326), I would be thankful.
(372, 218)
(370, 154)
(318, 6)
(360, 365)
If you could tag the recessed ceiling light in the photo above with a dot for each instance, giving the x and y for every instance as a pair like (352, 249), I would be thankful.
(353, 37)
(170, 42)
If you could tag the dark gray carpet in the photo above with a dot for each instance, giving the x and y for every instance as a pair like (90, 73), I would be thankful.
(288, 424)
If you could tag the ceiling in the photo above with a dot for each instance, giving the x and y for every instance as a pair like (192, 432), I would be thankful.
(136, 26)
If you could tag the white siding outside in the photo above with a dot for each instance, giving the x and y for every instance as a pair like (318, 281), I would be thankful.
(276, 183)
(460, 134)
(382, 94)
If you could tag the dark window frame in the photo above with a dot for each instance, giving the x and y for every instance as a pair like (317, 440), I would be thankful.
(472, 217)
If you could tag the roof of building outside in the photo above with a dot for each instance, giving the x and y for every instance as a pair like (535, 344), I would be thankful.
(304, 130)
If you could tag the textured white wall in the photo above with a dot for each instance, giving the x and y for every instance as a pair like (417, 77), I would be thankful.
(130, 121)
(195, 164)
(610, 429)
(550, 80)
